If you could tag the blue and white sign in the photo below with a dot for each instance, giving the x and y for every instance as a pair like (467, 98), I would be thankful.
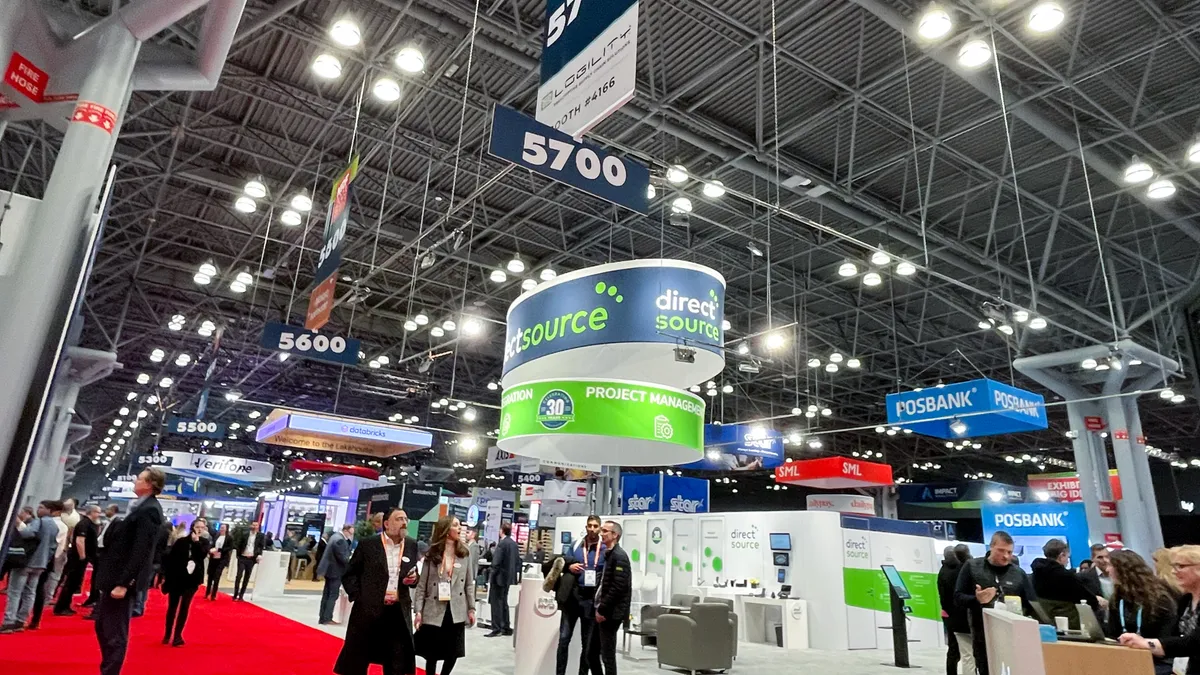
(684, 495)
(968, 410)
(739, 447)
(589, 62)
(309, 344)
(362, 430)
(1031, 525)
(619, 321)
(555, 155)
(641, 492)
(187, 426)
(236, 470)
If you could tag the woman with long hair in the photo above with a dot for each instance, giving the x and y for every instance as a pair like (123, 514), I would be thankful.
(1185, 643)
(183, 570)
(444, 601)
(1141, 603)
(1164, 570)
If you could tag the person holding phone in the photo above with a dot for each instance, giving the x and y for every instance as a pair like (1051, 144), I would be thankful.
(382, 569)
(443, 603)
(183, 573)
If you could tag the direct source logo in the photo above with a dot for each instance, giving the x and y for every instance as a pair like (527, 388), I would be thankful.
(745, 539)
(857, 549)
(575, 323)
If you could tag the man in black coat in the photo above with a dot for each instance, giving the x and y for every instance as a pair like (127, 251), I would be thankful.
(81, 552)
(1058, 588)
(613, 596)
(506, 567)
(248, 547)
(985, 581)
(126, 573)
(378, 578)
(332, 567)
(954, 618)
(576, 592)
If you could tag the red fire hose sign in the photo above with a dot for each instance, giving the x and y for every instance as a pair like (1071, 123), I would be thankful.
(26, 78)
(95, 115)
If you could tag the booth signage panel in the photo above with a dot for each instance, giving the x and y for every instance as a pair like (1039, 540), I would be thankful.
(589, 62)
(340, 434)
(309, 344)
(215, 467)
(684, 495)
(619, 320)
(859, 504)
(337, 221)
(658, 426)
(1031, 525)
(834, 473)
(985, 406)
(739, 447)
(189, 426)
(499, 459)
(641, 492)
(555, 155)
(564, 491)
(1064, 486)
(320, 303)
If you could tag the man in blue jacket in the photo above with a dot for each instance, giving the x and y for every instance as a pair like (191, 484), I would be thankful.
(506, 567)
(42, 535)
(332, 566)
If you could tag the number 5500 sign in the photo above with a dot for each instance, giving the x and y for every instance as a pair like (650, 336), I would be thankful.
(310, 344)
(533, 145)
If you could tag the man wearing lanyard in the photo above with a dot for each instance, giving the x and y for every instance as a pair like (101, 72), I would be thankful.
(587, 563)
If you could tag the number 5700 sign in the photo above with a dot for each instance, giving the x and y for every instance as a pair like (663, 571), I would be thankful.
(526, 142)
(310, 344)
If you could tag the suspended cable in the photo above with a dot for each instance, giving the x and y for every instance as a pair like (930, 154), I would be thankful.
(1087, 182)
(922, 201)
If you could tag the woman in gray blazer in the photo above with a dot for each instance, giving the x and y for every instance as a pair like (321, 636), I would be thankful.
(443, 600)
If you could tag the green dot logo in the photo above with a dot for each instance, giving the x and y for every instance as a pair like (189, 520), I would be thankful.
(604, 289)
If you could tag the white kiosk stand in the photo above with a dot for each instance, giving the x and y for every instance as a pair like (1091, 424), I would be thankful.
(536, 632)
(270, 574)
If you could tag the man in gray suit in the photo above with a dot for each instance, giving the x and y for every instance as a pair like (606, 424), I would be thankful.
(506, 565)
(333, 568)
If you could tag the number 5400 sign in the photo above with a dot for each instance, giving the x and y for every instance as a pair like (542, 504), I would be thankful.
(310, 344)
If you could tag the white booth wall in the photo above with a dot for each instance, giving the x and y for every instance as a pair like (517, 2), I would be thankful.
(697, 549)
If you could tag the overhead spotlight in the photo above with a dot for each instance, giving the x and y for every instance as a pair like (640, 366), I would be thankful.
(166, 382)
(469, 443)
(1178, 398)
(847, 269)
(681, 205)
(754, 250)
(872, 279)
(1037, 323)
(891, 432)
(143, 378)
(774, 340)
(1193, 152)
(157, 355)
(727, 389)
(1020, 316)
(935, 23)
(1045, 17)
(1115, 362)
(743, 348)
(435, 404)
(516, 265)
(836, 357)
(985, 325)
(880, 258)
(814, 363)
(676, 174)
(492, 386)
(255, 188)
(436, 332)
(854, 364)
(547, 274)
(245, 204)
(905, 268)
(302, 202)
(245, 278)
(290, 218)
(345, 32)
(469, 414)
(386, 89)
(410, 60)
(1160, 189)
(831, 367)
(449, 326)
(1167, 393)
(1005, 328)
(327, 66)
(1138, 171)
(826, 412)
(472, 326)
(202, 279)
(815, 443)
(528, 284)
(498, 276)
(714, 189)
(974, 53)
(959, 427)
(711, 392)
(651, 193)
(232, 395)
(1088, 364)
(726, 325)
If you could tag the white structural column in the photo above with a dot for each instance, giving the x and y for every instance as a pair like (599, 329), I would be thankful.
(1091, 462)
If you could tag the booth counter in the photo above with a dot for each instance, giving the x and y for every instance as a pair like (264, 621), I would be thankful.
(1015, 647)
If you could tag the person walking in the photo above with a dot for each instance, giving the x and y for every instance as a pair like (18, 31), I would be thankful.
(128, 569)
(249, 547)
(506, 565)
(48, 582)
(382, 570)
(954, 618)
(614, 592)
(80, 553)
(444, 599)
(218, 559)
(23, 582)
(332, 568)
(183, 572)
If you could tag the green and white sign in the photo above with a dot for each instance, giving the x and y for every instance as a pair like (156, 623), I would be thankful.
(612, 422)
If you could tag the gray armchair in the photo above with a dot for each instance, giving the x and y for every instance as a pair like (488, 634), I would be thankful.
(699, 641)
(684, 600)
(733, 620)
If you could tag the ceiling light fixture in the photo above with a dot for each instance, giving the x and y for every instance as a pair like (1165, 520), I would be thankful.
(714, 189)
(743, 348)
(854, 364)
(410, 60)
(880, 258)
(410, 325)
(1193, 152)
(449, 326)
(345, 32)
(327, 66)
(498, 276)
(302, 202)
(959, 427)
(421, 318)
(681, 205)
(847, 269)
(166, 382)
(1160, 189)
(255, 188)
(754, 250)
(290, 218)
(547, 274)
(516, 265)
(974, 53)
(651, 193)
(528, 284)
(157, 355)
(831, 367)
(1138, 171)
(905, 268)
(472, 326)
(1088, 364)
(386, 89)
(774, 340)
(935, 23)
(245, 204)
(436, 332)
(1045, 17)
(143, 378)
(677, 174)
(814, 363)
(872, 279)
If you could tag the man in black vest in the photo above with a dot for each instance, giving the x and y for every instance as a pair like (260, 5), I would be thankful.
(81, 552)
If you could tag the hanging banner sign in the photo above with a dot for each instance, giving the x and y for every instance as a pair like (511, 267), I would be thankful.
(968, 410)
(557, 156)
(739, 447)
(499, 459)
(834, 473)
(216, 467)
(309, 344)
(185, 426)
(654, 493)
(589, 62)
(337, 220)
(320, 303)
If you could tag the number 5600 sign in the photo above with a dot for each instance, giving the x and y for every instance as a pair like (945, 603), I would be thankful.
(310, 344)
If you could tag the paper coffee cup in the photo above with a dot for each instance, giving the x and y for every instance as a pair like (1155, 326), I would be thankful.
(1060, 622)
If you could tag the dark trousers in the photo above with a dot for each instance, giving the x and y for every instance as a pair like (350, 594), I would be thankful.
(39, 601)
(980, 648)
(112, 631)
(178, 605)
(952, 653)
(72, 582)
(216, 567)
(586, 616)
(602, 647)
(498, 599)
(245, 567)
(447, 666)
(329, 598)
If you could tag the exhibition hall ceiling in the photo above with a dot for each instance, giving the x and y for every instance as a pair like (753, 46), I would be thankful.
(821, 118)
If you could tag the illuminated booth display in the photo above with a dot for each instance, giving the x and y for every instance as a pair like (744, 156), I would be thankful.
(834, 473)
(967, 410)
(328, 433)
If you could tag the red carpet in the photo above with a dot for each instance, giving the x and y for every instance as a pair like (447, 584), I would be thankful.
(223, 638)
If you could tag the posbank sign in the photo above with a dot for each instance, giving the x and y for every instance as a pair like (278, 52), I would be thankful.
(968, 410)
(638, 303)
(739, 447)
(1032, 524)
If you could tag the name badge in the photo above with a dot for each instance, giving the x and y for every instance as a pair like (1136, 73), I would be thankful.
(405, 559)
(589, 577)
(457, 565)
(444, 591)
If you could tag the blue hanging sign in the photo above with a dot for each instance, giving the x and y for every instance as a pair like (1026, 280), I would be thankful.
(684, 495)
(1031, 525)
(739, 447)
(641, 492)
(968, 410)
(310, 344)
(537, 147)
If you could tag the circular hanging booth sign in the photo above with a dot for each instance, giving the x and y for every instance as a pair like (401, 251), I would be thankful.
(621, 320)
(611, 422)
